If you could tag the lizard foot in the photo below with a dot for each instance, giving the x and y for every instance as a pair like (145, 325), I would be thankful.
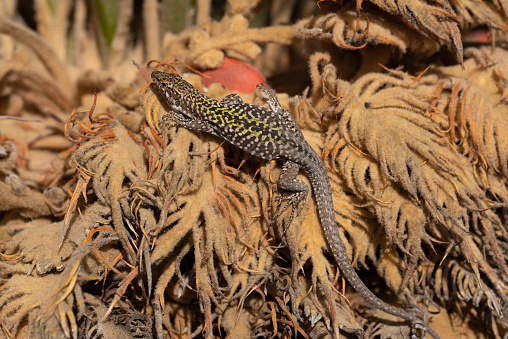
(297, 201)
(420, 322)
(293, 190)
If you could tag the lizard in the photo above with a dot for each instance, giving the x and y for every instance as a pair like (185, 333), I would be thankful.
(270, 134)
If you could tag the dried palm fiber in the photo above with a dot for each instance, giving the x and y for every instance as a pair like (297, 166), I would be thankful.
(434, 20)
(492, 14)
(415, 182)
(471, 110)
(59, 276)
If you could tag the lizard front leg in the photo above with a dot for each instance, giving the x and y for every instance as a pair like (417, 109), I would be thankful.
(191, 124)
(292, 189)
(269, 96)
(231, 100)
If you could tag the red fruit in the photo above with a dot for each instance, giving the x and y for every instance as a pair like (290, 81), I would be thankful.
(235, 75)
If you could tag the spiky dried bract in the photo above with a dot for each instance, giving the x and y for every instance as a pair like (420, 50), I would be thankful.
(114, 162)
(43, 296)
(397, 160)
(434, 19)
(348, 30)
(410, 149)
(473, 105)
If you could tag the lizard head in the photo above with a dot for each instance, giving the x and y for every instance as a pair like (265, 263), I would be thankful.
(176, 91)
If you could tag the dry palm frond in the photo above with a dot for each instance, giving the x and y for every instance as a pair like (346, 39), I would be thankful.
(57, 310)
(175, 228)
(113, 160)
(394, 143)
(474, 105)
(391, 148)
(348, 30)
(434, 19)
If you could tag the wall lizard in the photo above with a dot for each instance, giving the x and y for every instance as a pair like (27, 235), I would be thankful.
(270, 134)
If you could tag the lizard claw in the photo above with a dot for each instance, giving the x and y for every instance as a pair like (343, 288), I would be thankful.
(297, 201)
(294, 190)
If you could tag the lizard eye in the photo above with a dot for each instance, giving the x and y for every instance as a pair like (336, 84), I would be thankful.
(176, 102)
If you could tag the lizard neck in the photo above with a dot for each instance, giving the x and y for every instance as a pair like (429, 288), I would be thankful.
(203, 105)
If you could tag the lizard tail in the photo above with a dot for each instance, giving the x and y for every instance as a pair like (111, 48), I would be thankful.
(323, 194)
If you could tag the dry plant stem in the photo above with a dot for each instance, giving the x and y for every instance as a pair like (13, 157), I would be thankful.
(152, 33)
(40, 47)
(44, 20)
(119, 43)
(7, 10)
(54, 29)
(60, 28)
(281, 13)
(55, 95)
(79, 30)
(203, 11)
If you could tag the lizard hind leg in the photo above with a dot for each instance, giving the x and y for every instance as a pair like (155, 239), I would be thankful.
(293, 190)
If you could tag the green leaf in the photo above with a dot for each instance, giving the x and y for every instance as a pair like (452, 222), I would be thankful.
(107, 12)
